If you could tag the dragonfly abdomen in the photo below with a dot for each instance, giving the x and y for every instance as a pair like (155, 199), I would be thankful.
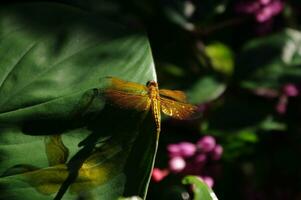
(157, 114)
(155, 101)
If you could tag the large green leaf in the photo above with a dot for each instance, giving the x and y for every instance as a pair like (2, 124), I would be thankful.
(58, 136)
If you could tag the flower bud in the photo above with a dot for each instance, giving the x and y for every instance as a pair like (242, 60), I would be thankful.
(187, 149)
(200, 159)
(208, 180)
(207, 143)
(173, 150)
(158, 174)
(217, 152)
(177, 164)
(290, 90)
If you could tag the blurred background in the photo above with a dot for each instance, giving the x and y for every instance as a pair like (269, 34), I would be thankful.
(240, 62)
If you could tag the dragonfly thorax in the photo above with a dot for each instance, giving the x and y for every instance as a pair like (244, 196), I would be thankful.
(153, 89)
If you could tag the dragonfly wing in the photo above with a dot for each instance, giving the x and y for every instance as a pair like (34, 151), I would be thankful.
(126, 86)
(178, 110)
(173, 94)
(128, 100)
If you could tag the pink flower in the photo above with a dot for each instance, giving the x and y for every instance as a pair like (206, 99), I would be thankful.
(269, 11)
(264, 2)
(290, 90)
(200, 159)
(208, 180)
(189, 158)
(217, 152)
(187, 149)
(264, 14)
(276, 7)
(173, 150)
(282, 104)
(262, 10)
(207, 143)
(177, 164)
(158, 174)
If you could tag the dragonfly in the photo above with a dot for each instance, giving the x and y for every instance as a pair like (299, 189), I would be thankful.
(131, 95)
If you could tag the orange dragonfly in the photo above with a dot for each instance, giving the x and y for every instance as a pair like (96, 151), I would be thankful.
(130, 95)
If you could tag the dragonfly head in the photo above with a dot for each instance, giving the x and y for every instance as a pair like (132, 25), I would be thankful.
(152, 83)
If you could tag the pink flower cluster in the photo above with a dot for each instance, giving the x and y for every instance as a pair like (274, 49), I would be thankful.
(262, 10)
(189, 158)
(288, 90)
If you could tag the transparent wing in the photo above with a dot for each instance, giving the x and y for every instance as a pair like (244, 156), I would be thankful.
(126, 86)
(128, 95)
(173, 94)
(128, 100)
(178, 110)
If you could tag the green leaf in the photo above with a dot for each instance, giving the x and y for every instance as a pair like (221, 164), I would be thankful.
(221, 57)
(130, 198)
(206, 89)
(58, 136)
(270, 62)
(200, 189)
(176, 14)
(247, 135)
(270, 124)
